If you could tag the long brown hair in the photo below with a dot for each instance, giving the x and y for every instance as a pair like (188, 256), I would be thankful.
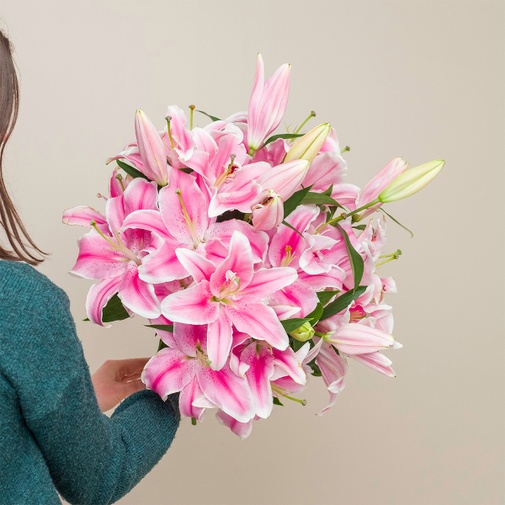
(22, 246)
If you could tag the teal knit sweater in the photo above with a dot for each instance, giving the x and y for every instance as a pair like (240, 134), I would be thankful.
(53, 436)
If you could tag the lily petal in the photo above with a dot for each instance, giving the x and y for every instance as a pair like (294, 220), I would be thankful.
(355, 338)
(191, 305)
(168, 371)
(190, 394)
(376, 361)
(139, 296)
(83, 216)
(219, 339)
(228, 391)
(258, 320)
(243, 430)
(195, 264)
(98, 259)
(98, 296)
(269, 280)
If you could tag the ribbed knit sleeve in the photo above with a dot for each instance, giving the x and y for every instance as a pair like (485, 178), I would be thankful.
(92, 459)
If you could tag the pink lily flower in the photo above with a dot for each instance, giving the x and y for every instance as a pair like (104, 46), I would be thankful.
(229, 294)
(113, 255)
(267, 104)
(182, 221)
(186, 368)
(296, 247)
(291, 371)
(261, 364)
(220, 158)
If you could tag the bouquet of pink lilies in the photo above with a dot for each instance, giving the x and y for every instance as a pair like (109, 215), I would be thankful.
(256, 264)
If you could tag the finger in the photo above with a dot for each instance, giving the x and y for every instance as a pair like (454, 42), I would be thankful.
(128, 388)
(133, 366)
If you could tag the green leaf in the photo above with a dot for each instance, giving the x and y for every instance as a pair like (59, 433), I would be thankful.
(294, 200)
(357, 263)
(296, 345)
(342, 302)
(273, 138)
(277, 401)
(114, 310)
(293, 324)
(360, 227)
(328, 191)
(285, 223)
(131, 171)
(319, 199)
(214, 118)
(398, 223)
(161, 345)
(326, 296)
(162, 327)
(315, 315)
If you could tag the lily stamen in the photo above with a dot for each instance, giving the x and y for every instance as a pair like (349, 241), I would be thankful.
(189, 221)
(118, 246)
(289, 257)
(169, 119)
(278, 391)
(191, 114)
(309, 117)
(229, 171)
(386, 258)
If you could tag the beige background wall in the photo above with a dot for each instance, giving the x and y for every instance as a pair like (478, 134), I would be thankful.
(423, 80)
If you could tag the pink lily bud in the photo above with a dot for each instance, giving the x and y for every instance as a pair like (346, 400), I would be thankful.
(269, 214)
(308, 146)
(267, 104)
(387, 175)
(285, 178)
(411, 181)
(151, 149)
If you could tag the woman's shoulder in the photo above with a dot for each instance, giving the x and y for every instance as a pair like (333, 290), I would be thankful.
(20, 278)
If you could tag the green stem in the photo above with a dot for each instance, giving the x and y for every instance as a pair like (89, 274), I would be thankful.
(310, 116)
(345, 215)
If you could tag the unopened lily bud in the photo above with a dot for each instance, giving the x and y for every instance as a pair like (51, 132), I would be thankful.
(411, 181)
(303, 333)
(151, 149)
(308, 146)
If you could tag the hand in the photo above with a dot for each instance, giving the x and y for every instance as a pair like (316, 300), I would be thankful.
(117, 379)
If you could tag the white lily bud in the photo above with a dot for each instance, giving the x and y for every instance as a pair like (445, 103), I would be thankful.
(411, 181)
(308, 146)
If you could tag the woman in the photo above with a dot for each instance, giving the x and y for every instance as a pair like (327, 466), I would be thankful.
(53, 436)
